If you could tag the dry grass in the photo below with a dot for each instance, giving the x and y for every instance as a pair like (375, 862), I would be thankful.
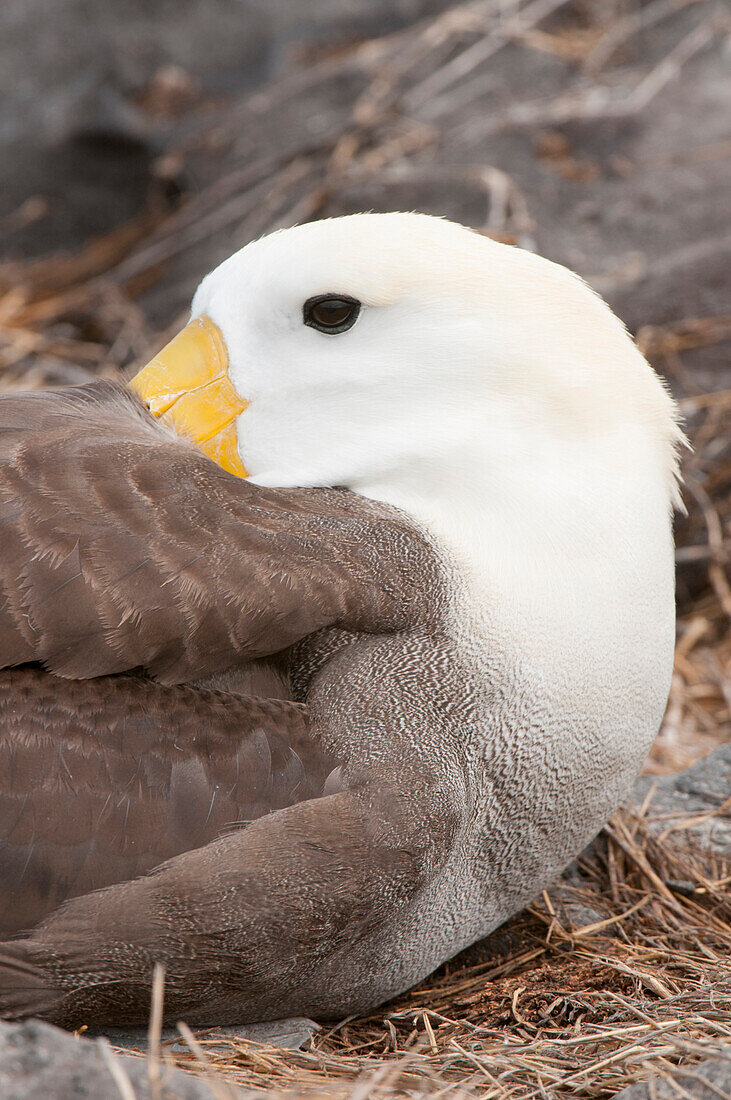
(625, 968)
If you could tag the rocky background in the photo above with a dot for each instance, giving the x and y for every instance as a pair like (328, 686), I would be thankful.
(140, 143)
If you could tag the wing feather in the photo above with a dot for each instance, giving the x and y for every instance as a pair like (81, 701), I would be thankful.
(102, 780)
(125, 547)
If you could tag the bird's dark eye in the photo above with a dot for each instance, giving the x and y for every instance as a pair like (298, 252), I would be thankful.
(331, 313)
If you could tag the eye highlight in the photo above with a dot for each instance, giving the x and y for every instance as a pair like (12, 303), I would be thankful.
(331, 313)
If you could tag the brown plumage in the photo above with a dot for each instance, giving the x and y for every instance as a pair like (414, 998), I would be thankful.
(124, 547)
(149, 584)
(102, 780)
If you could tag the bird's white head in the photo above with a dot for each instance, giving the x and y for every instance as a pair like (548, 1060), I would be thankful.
(481, 388)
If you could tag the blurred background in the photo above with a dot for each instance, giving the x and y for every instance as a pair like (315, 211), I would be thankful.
(141, 143)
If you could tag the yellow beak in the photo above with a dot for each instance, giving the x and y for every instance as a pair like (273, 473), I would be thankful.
(187, 384)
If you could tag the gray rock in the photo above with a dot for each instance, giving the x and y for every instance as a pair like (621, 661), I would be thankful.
(73, 127)
(709, 1080)
(693, 793)
(76, 126)
(38, 1062)
(77, 65)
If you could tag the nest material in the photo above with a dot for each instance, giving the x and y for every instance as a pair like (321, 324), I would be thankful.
(624, 968)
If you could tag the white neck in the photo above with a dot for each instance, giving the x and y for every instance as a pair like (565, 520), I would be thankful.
(562, 609)
(560, 559)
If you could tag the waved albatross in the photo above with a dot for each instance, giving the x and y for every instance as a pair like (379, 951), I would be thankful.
(353, 644)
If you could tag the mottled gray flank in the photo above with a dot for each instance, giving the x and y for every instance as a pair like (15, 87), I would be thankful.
(695, 793)
(39, 1061)
(709, 1080)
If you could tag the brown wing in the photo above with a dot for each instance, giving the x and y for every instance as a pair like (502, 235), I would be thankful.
(124, 547)
(299, 914)
(102, 780)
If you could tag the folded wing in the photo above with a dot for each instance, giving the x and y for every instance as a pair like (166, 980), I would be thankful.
(124, 547)
(102, 780)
